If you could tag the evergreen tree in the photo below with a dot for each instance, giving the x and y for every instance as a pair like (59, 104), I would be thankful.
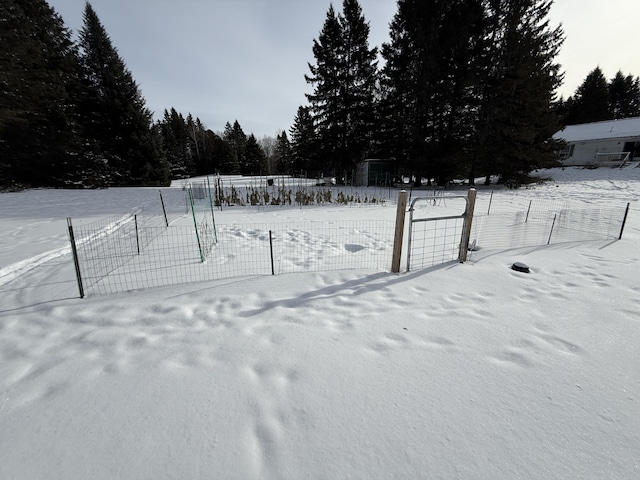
(282, 154)
(117, 123)
(624, 96)
(38, 78)
(304, 143)
(175, 143)
(256, 161)
(201, 158)
(220, 154)
(428, 81)
(344, 80)
(590, 103)
(398, 104)
(520, 114)
(237, 140)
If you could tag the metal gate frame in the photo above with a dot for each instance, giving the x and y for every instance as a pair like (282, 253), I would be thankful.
(467, 216)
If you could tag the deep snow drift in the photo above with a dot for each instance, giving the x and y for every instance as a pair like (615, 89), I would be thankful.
(458, 371)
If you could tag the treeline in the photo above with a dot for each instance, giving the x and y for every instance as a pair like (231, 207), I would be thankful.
(466, 88)
(191, 149)
(598, 99)
(71, 113)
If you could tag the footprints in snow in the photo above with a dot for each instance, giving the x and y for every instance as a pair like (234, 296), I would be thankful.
(535, 349)
(270, 417)
(390, 341)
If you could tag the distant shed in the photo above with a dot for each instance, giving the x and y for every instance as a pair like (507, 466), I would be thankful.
(608, 143)
(375, 172)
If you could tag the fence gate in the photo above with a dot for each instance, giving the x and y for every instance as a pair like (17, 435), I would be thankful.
(439, 228)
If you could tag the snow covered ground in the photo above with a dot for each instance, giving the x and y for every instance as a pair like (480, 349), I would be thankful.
(457, 371)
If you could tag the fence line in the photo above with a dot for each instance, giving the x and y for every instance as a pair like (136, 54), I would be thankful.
(515, 229)
(103, 246)
(247, 250)
(144, 250)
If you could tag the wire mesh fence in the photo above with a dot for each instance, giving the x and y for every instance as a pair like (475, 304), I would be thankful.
(248, 250)
(143, 249)
(103, 246)
(543, 227)
(435, 242)
(435, 230)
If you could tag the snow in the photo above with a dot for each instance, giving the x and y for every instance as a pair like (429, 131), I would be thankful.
(456, 371)
(625, 127)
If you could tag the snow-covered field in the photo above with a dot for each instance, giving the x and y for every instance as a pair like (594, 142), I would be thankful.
(458, 371)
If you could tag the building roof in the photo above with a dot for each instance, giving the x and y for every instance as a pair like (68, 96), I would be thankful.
(626, 127)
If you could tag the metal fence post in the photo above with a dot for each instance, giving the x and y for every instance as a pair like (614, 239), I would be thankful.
(166, 221)
(213, 218)
(398, 238)
(273, 272)
(624, 220)
(74, 251)
(195, 224)
(135, 220)
(552, 225)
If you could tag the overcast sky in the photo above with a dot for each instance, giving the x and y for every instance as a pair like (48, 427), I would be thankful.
(245, 60)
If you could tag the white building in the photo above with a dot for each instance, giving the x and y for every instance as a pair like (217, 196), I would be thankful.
(608, 143)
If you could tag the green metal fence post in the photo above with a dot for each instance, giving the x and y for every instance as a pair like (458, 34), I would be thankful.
(74, 251)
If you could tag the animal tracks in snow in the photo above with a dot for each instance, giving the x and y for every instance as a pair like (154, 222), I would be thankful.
(535, 350)
(269, 418)
(391, 341)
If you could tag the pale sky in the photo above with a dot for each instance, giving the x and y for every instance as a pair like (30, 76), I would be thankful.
(245, 60)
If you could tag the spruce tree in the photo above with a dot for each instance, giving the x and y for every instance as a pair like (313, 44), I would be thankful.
(237, 140)
(117, 122)
(255, 159)
(518, 89)
(344, 79)
(428, 80)
(38, 78)
(282, 154)
(624, 96)
(220, 154)
(175, 143)
(590, 103)
(304, 143)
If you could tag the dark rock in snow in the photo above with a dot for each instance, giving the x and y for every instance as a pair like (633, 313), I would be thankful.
(520, 267)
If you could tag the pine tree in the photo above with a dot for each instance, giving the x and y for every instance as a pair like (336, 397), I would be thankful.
(590, 103)
(117, 123)
(520, 114)
(237, 140)
(175, 143)
(304, 143)
(220, 154)
(624, 96)
(38, 77)
(282, 154)
(427, 84)
(256, 161)
(344, 80)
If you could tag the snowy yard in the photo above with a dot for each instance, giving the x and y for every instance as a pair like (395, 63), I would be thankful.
(456, 371)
